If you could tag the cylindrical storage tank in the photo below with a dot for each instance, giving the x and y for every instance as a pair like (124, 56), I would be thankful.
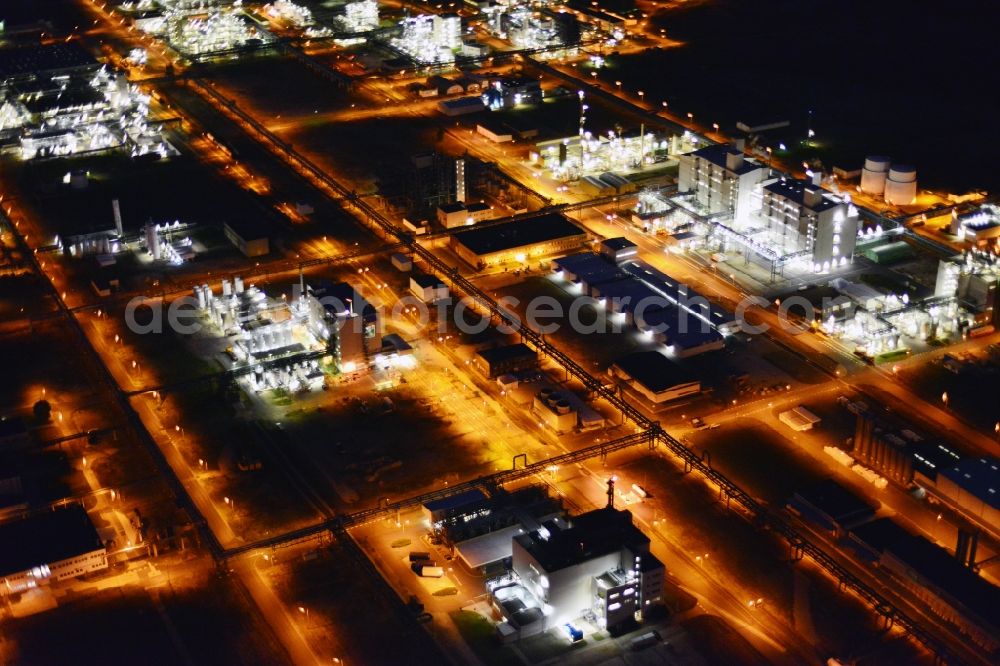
(901, 185)
(227, 288)
(874, 173)
(563, 407)
(238, 284)
(546, 393)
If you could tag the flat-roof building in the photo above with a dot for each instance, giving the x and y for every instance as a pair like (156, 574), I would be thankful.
(973, 485)
(26, 62)
(49, 546)
(517, 241)
(427, 288)
(721, 179)
(619, 249)
(655, 376)
(460, 213)
(947, 587)
(249, 237)
(601, 564)
(349, 323)
(509, 358)
(802, 217)
(832, 506)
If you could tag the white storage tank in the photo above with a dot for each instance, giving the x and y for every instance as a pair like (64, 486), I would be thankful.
(873, 175)
(901, 185)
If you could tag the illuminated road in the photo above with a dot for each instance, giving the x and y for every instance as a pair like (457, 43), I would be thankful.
(294, 165)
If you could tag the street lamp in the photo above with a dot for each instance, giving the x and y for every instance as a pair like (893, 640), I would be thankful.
(230, 503)
(944, 398)
(619, 84)
(642, 95)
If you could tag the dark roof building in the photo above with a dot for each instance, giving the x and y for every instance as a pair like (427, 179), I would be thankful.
(510, 358)
(831, 505)
(28, 61)
(518, 240)
(655, 376)
(54, 544)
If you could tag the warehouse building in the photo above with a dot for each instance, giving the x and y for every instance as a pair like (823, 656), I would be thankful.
(248, 236)
(947, 587)
(973, 485)
(503, 360)
(655, 377)
(517, 241)
(50, 546)
(832, 506)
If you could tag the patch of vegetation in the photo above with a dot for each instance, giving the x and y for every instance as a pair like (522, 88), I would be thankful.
(479, 634)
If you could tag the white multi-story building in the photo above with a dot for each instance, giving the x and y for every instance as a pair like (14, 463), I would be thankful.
(600, 565)
(722, 180)
(448, 31)
(801, 216)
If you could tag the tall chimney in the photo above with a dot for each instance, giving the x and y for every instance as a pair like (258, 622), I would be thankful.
(118, 217)
(611, 492)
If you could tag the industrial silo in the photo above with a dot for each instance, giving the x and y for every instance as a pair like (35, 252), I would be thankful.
(874, 173)
(901, 185)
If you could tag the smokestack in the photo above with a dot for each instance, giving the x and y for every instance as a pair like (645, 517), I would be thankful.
(118, 217)
(611, 492)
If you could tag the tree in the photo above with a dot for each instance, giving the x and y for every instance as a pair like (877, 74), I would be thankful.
(42, 410)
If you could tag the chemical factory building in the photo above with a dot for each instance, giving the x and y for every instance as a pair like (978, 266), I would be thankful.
(600, 564)
(721, 178)
(801, 217)
(655, 376)
(49, 546)
(517, 241)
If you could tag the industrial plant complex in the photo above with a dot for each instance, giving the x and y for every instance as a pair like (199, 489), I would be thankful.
(409, 333)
